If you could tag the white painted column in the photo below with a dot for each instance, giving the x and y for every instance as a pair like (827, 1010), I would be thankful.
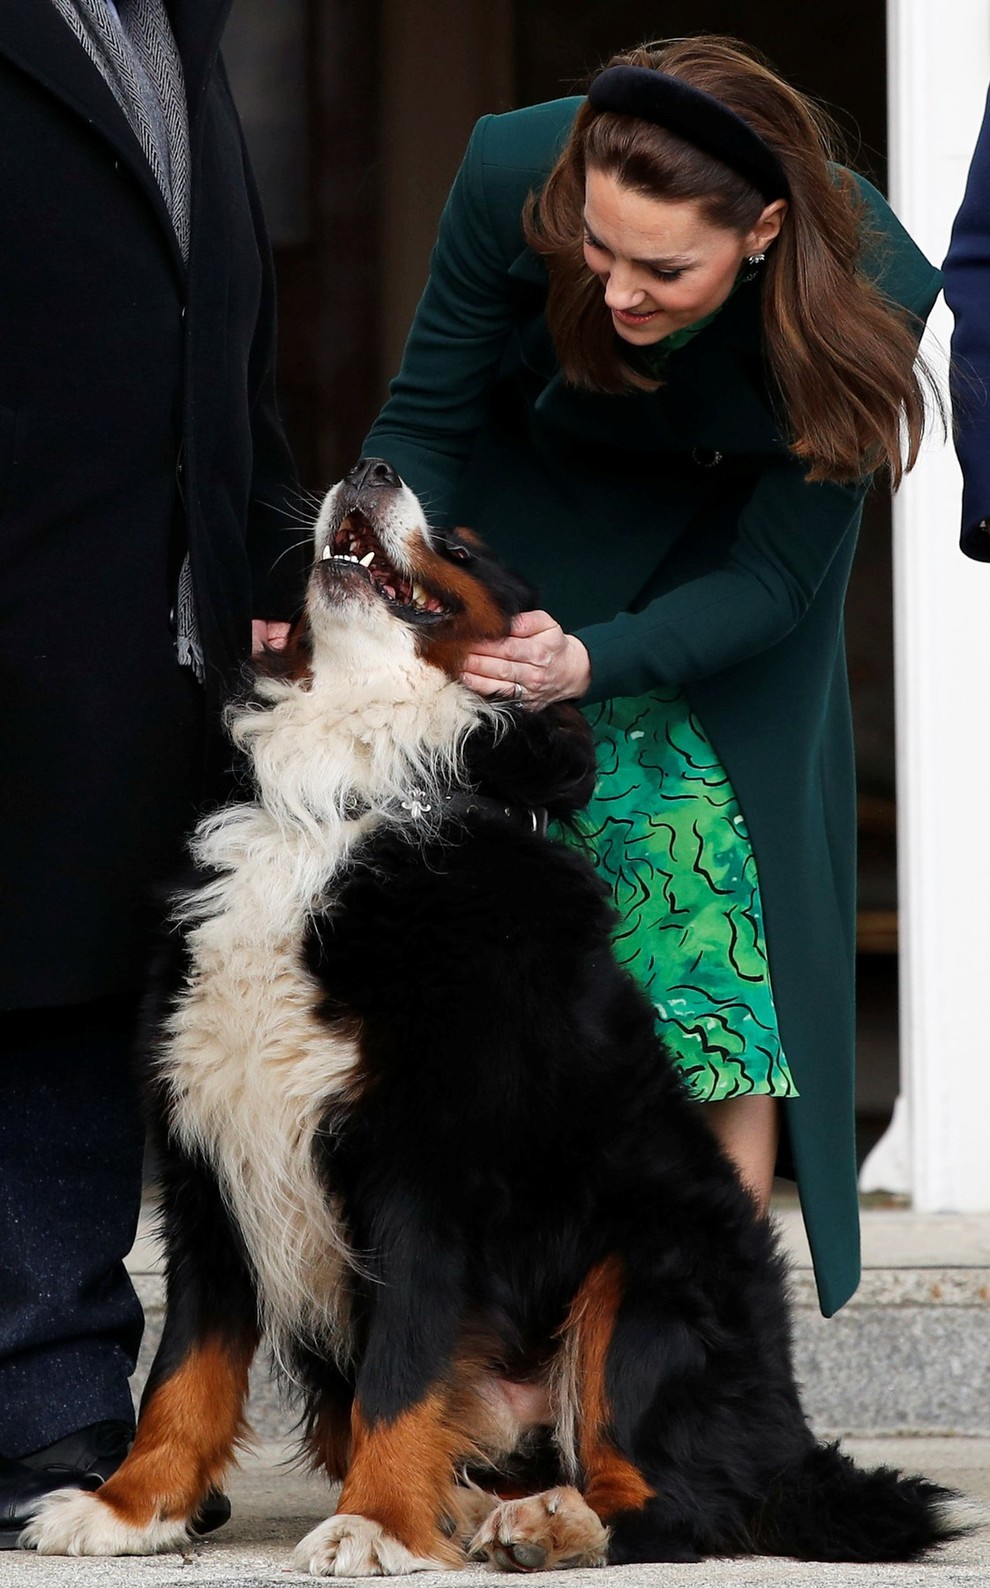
(939, 67)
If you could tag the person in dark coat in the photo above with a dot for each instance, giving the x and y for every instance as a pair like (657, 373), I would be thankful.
(659, 388)
(967, 291)
(145, 493)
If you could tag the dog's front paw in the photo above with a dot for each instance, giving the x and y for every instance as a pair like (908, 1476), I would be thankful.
(78, 1522)
(544, 1532)
(353, 1546)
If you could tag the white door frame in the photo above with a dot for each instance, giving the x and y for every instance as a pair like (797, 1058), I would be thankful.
(938, 71)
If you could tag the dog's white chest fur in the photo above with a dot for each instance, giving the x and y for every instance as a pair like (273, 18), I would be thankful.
(252, 1071)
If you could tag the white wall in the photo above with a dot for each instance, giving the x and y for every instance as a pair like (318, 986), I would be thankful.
(939, 68)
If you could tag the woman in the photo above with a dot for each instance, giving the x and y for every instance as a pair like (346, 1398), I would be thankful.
(658, 387)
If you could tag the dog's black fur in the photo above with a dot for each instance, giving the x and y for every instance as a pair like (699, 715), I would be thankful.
(515, 1165)
(524, 1126)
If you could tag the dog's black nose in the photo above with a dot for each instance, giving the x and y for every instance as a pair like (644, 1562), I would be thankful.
(373, 472)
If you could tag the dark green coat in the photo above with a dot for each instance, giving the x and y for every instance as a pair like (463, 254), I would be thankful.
(725, 578)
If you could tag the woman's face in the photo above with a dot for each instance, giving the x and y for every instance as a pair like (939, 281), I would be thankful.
(662, 265)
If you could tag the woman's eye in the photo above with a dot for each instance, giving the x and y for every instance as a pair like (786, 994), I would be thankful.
(592, 242)
(666, 275)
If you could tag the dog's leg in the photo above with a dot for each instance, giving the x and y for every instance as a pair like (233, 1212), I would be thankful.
(192, 1409)
(329, 1397)
(391, 1510)
(406, 1435)
(655, 1428)
(612, 1481)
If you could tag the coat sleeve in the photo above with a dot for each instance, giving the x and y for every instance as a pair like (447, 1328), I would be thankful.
(787, 536)
(439, 400)
(967, 290)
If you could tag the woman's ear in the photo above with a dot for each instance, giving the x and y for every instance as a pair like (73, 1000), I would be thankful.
(767, 228)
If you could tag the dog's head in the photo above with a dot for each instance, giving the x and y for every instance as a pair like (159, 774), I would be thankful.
(387, 594)
(378, 562)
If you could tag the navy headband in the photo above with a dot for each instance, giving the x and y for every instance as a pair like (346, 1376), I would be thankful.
(696, 117)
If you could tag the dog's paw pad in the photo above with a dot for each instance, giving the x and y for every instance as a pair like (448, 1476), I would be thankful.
(78, 1522)
(544, 1532)
(354, 1546)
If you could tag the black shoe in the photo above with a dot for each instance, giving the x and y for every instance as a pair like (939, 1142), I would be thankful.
(82, 1460)
(96, 1451)
(22, 1488)
(214, 1511)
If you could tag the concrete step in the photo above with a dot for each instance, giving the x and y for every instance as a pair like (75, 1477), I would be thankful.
(909, 1353)
(907, 1356)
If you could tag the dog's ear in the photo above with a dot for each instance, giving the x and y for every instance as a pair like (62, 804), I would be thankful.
(545, 758)
(512, 592)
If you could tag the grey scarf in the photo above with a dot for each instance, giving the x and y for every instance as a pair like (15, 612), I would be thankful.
(132, 46)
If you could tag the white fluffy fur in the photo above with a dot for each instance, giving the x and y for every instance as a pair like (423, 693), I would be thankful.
(353, 1546)
(251, 1071)
(75, 1522)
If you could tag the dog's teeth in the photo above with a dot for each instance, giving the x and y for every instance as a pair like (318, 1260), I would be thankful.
(366, 561)
(419, 594)
(326, 553)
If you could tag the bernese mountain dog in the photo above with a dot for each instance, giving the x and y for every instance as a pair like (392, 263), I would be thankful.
(417, 1132)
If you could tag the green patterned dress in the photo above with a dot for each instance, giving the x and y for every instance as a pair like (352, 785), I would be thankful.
(665, 829)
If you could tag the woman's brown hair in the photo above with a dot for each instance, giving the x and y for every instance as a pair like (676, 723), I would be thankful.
(844, 359)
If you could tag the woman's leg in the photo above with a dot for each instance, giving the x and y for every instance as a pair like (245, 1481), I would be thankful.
(747, 1129)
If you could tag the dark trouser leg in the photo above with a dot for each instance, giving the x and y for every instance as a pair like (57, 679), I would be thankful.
(71, 1146)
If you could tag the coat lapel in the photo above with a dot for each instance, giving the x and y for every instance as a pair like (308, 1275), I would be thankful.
(36, 39)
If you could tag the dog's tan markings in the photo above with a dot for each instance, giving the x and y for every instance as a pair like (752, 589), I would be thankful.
(186, 1438)
(478, 618)
(400, 1476)
(611, 1482)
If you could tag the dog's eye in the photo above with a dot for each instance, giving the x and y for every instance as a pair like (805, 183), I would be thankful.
(460, 553)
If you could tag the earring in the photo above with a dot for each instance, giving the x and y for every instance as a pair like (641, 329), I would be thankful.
(755, 259)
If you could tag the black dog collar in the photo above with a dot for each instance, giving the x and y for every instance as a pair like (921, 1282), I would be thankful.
(459, 804)
(533, 819)
(695, 116)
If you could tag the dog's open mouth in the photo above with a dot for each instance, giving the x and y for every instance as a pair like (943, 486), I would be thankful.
(356, 545)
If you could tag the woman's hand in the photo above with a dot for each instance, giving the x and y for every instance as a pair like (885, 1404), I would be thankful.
(538, 659)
